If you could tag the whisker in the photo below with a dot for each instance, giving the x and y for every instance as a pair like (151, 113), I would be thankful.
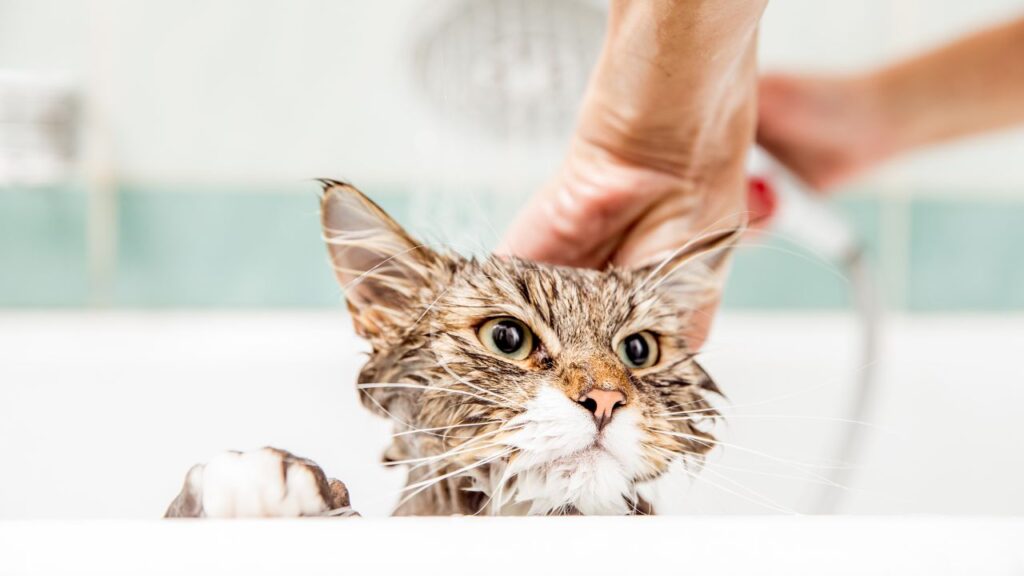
(768, 505)
(465, 425)
(453, 451)
(485, 216)
(699, 400)
(345, 238)
(465, 468)
(406, 424)
(831, 269)
(828, 266)
(703, 234)
(819, 480)
(431, 305)
(474, 386)
(505, 476)
(773, 399)
(465, 447)
(459, 451)
(798, 465)
(425, 484)
(781, 417)
(388, 412)
(709, 442)
(685, 412)
(375, 385)
(774, 233)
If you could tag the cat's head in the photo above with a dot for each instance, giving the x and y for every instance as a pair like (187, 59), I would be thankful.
(546, 388)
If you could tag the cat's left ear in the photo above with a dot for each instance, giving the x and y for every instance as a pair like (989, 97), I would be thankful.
(694, 275)
(702, 260)
(381, 269)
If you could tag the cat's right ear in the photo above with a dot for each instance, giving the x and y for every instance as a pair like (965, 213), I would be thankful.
(380, 267)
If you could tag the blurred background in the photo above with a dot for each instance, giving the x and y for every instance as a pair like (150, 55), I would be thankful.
(161, 153)
(160, 255)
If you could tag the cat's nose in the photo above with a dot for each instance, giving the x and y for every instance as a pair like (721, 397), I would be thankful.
(602, 403)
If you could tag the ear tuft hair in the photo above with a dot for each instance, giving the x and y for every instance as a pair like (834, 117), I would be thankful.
(698, 265)
(693, 276)
(381, 269)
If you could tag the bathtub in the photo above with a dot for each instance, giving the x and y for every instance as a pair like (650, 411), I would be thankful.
(734, 545)
(101, 413)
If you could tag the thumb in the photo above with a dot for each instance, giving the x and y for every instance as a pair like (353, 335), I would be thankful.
(576, 220)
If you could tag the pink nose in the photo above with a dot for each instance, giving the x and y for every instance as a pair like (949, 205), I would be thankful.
(602, 403)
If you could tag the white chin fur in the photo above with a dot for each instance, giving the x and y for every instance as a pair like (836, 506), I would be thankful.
(562, 462)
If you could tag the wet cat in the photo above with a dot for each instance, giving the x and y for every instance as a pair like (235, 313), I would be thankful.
(514, 387)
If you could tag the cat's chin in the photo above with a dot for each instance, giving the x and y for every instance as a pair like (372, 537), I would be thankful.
(563, 463)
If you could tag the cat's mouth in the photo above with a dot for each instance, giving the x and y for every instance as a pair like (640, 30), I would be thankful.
(585, 456)
(595, 476)
(599, 444)
(573, 442)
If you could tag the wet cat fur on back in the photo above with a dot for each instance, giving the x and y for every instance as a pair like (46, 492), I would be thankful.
(483, 433)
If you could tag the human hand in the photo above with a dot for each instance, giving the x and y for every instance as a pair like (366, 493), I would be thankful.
(825, 130)
(600, 209)
(659, 154)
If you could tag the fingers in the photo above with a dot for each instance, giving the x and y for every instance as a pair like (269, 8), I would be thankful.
(762, 203)
(825, 130)
(600, 212)
(581, 218)
(555, 228)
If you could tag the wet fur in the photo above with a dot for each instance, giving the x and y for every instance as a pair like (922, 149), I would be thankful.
(454, 404)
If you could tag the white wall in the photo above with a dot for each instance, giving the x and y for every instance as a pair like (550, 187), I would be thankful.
(232, 90)
(267, 90)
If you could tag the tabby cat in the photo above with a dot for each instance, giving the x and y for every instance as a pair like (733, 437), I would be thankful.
(514, 387)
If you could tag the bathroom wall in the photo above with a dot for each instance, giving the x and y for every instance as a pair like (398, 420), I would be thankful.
(203, 123)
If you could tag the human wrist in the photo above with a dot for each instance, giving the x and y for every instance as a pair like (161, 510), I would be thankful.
(675, 88)
(704, 165)
(672, 128)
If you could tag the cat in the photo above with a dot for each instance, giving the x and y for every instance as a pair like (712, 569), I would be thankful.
(514, 387)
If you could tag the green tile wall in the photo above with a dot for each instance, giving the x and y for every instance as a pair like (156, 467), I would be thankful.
(774, 272)
(43, 247)
(223, 248)
(249, 247)
(966, 255)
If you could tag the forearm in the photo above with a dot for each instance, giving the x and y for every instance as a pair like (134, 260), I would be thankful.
(675, 83)
(660, 147)
(972, 85)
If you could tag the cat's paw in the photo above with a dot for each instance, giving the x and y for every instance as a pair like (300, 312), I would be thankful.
(266, 483)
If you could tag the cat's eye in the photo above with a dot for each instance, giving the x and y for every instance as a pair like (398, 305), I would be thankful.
(639, 350)
(506, 337)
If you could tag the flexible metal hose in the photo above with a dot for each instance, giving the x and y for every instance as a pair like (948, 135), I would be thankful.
(816, 226)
